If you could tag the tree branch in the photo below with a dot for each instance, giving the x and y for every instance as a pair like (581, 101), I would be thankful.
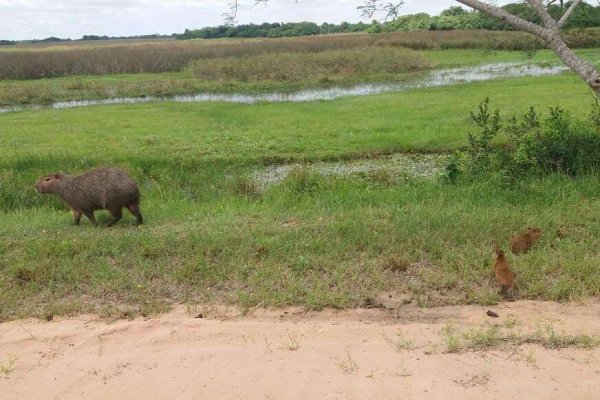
(568, 13)
(499, 13)
(542, 12)
(231, 15)
(370, 7)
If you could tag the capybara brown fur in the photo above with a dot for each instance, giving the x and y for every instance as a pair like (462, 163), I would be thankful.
(98, 189)
(524, 242)
(504, 275)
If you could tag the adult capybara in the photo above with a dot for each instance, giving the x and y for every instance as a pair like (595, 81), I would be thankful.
(98, 189)
(525, 241)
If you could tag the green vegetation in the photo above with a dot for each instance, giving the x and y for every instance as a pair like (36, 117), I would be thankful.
(537, 145)
(453, 18)
(255, 66)
(107, 58)
(497, 336)
(457, 18)
(214, 235)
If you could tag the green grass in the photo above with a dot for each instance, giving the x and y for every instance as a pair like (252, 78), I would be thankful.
(465, 57)
(213, 236)
(311, 241)
(496, 336)
(418, 120)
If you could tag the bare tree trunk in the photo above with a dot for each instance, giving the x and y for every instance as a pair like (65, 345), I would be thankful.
(550, 33)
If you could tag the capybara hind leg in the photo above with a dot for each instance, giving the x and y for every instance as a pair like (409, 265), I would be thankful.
(134, 208)
(90, 215)
(76, 217)
(117, 215)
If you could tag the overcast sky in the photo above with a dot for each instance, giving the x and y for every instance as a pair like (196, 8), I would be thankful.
(36, 19)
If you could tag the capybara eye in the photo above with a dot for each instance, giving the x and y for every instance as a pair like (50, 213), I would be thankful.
(47, 179)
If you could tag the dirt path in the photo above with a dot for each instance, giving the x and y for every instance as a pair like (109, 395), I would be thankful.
(288, 354)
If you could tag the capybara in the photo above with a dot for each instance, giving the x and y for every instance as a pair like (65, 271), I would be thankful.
(504, 275)
(98, 189)
(525, 241)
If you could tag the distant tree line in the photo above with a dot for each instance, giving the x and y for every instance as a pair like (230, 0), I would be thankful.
(453, 18)
(54, 39)
(456, 17)
(272, 30)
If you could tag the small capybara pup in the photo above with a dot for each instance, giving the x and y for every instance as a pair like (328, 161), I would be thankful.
(98, 189)
(504, 275)
(525, 241)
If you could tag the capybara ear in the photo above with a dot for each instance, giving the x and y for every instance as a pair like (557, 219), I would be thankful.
(58, 175)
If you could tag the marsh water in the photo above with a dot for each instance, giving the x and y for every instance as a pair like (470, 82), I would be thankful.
(442, 77)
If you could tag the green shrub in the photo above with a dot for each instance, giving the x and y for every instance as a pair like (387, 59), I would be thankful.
(557, 142)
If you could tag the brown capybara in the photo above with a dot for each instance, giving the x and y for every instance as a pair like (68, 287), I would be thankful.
(504, 275)
(525, 241)
(98, 189)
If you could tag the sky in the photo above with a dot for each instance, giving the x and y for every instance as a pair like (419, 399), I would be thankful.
(38, 19)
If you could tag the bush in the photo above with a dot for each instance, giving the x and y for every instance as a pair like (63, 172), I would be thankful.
(557, 142)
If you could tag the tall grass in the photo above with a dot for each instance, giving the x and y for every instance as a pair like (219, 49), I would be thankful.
(318, 65)
(34, 62)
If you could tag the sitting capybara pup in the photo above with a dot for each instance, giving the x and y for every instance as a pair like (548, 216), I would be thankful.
(504, 275)
(523, 242)
(99, 189)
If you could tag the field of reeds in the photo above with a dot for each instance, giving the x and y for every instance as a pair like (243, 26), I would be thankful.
(44, 73)
(37, 61)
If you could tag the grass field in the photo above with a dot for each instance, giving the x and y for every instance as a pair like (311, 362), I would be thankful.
(213, 235)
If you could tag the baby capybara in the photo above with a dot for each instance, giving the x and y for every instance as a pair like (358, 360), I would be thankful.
(525, 241)
(98, 189)
(504, 275)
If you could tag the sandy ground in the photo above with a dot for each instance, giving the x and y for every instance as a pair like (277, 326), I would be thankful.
(289, 354)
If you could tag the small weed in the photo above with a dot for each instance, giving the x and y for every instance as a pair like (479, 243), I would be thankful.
(292, 344)
(400, 342)
(268, 345)
(473, 380)
(511, 321)
(432, 348)
(530, 357)
(347, 365)
(8, 365)
(451, 339)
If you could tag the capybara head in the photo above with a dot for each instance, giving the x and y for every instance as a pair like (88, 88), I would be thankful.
(497, 250)
(534, 233)
(49, 183)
